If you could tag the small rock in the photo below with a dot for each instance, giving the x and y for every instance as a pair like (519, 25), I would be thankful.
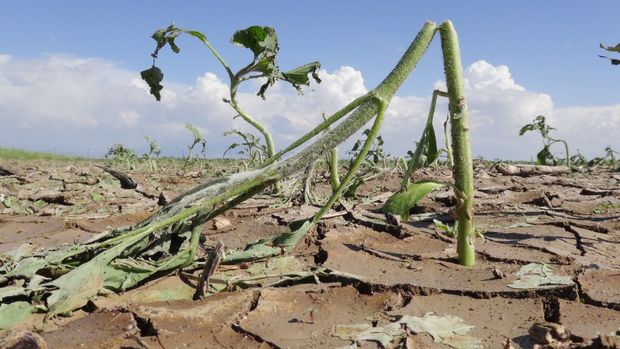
(220, 223)
(498, 274)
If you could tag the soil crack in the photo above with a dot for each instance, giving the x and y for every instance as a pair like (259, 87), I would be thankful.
(237, 328)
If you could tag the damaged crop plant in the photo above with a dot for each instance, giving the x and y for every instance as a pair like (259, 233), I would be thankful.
(62, 280)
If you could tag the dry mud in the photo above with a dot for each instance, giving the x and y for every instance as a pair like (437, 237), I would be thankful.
(569, 222)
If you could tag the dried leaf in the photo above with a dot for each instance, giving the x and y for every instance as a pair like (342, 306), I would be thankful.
(538, 275)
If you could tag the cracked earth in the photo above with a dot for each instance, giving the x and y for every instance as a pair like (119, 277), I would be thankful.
(381, 270)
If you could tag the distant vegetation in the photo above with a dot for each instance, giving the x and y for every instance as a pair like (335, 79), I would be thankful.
(18, 154)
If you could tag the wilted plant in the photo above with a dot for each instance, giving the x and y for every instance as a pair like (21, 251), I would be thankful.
(544, 156)
(123, 259)
(153, 153)
(263, 42)
(120, 153)
(198, 139)
(255, 152)
(609, 159)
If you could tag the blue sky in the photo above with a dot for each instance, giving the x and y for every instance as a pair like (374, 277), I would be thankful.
(549, 48)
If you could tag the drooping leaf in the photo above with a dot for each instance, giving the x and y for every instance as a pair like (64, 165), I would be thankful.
(13, 313)
(299, 76)
(153, 77)
(544, 156)
(401, 202)
(259, 39)
(538, 275)
(611, 48)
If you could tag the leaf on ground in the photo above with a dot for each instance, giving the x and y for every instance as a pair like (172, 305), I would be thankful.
(13, 313)
(520, 225)
(278, 265)
(439, 327)
(538, 275)
(76, 288)
(401, 202)
(12, 291)
(447, 329)
(365, 332)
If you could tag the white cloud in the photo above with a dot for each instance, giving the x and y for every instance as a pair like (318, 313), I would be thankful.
(84, 105)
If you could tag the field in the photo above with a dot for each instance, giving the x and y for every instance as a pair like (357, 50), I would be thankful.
(357, 267)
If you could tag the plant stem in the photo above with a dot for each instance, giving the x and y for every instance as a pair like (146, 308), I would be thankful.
(234, 83)
(417, 161)
(565, 148)
(334, 178)
(463, 166)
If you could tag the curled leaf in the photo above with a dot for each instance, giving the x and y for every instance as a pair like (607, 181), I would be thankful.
(153, 77)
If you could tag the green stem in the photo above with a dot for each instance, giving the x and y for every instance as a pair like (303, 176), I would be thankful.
(565, 148)
(234, 83)
(334, 178)
(463, 167)
(417, 161)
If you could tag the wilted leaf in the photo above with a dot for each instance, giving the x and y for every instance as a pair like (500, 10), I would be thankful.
(520, 225)
(257, 38)
(153, 77)
(543, 156)
(401, 202)
(365, 332)
(538, 275)
(439, 327)
(76, 287)
(12, 291)
(299, 76)
(611, 48)
(448, 329)
(13, 313)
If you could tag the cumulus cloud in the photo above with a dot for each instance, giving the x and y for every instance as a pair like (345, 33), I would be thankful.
(84, 105)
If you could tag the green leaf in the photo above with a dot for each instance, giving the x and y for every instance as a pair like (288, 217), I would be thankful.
(401, 202)
(299, 76)
(543, 156)
(13, 313)
(611, 48)
(449, 230)
(153, 77)
(12, 291)
(259, 39)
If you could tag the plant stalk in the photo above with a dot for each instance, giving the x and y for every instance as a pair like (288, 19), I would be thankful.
(463, 166)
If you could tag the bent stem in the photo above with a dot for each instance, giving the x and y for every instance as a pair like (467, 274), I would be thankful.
(461, 147)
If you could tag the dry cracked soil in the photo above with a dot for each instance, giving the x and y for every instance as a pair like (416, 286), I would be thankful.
(376, 271)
